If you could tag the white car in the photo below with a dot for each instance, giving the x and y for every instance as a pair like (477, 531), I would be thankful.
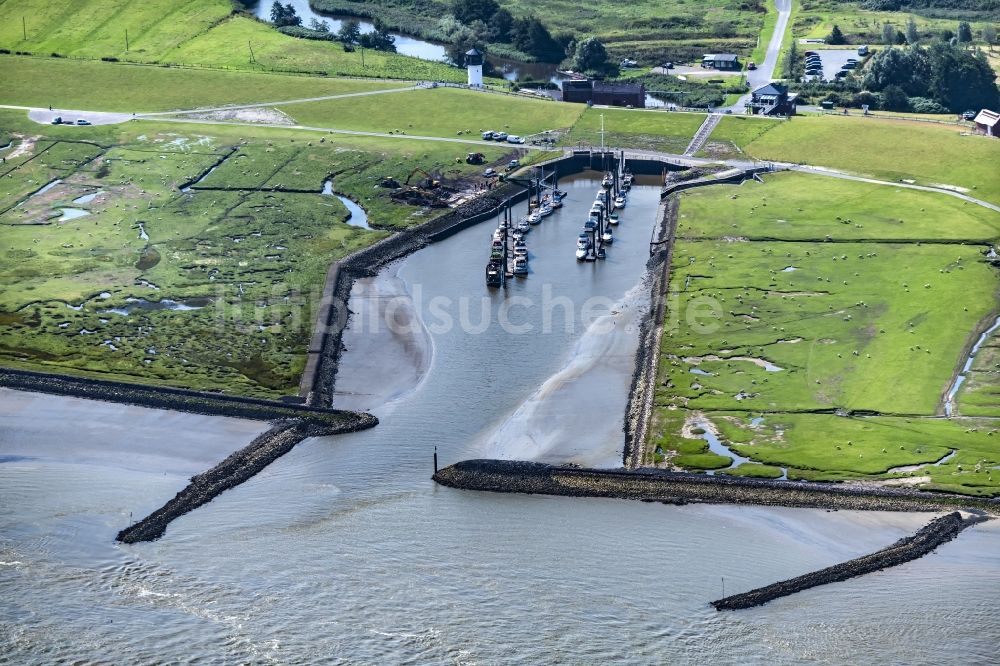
(513, 138)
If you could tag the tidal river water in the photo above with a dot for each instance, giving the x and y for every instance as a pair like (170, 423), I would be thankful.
(344, 550)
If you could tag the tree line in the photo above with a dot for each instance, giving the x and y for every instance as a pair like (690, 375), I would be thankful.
(285, 18)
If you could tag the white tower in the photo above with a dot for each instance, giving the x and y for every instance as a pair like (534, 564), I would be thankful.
(474, 62)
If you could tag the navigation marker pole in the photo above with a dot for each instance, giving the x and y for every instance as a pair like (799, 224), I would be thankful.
(436, 465)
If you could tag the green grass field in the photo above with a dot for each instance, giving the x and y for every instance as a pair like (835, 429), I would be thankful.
(862, 26)
(624, 128)
(438, 112)
(191, 32)
(733, 133)
(102, 86)
(804, 295)
(802, 207)
(927, 153)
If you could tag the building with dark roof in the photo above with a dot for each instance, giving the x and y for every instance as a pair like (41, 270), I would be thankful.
(605, 93)
(474, 63)
(723, 61)
(772, 100)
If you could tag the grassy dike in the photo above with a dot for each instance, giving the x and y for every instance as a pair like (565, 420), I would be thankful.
(211, 289)
(103, 86)
(896, 150)
(207, 33)
(839, 312)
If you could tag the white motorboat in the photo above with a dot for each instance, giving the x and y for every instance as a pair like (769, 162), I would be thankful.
(534, 218)
(620, 202)
(545, 210)
(523, 226)
(521, 266)
(607, 237)
(581, 253)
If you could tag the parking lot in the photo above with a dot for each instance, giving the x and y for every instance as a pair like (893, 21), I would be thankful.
(833, 60)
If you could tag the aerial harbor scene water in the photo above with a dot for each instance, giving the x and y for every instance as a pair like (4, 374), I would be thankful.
(490, 332)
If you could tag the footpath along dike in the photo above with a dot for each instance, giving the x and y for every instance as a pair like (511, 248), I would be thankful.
(654, 485)
(925, 540)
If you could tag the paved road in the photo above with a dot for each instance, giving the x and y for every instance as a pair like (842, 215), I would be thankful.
(45, 116)
(764, 73)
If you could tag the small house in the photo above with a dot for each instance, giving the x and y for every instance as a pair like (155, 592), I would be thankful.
(988, 122)
(772, 100)
(721, 61)
(605, 93)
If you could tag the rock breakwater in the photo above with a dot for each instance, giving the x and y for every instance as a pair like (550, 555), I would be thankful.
(234, 470)
(926, 539)
(653, 485)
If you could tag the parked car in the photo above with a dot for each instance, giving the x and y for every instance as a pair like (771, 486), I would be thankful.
(841, 74)
(513, 164)
(969, 115)
(863, 50)
(488, 135)
(81, 121)
(849, 65)
(499, 136)
(57, 120)
(751, 65)
(489, 173)
(513, 138)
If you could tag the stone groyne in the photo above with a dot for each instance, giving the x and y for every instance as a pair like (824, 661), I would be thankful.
(926, 539)
(234, 470)
(654, 485)
(183, 400)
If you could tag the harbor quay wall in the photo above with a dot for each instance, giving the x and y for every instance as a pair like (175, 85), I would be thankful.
(925, 540)
(654, 485)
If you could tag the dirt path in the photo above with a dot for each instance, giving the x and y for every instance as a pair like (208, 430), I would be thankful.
(304, 100)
